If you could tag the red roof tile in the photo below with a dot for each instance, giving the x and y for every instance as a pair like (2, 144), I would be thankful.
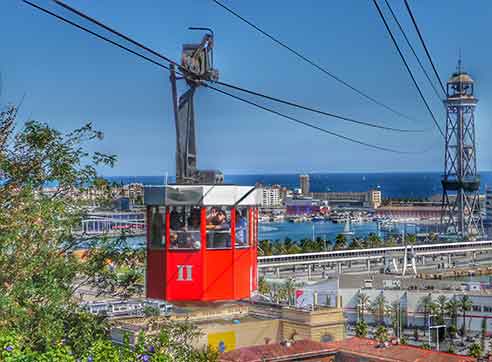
(398, 353)
(304, 348)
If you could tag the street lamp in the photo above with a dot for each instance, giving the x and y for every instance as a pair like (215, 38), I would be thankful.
(437, 331)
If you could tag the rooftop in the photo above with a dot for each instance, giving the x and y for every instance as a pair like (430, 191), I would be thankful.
(279, 352)
(401, 353)
(346, 350)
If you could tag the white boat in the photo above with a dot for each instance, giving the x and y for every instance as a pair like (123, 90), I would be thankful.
(346, 229)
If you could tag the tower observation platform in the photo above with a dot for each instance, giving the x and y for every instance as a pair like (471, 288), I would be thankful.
(201, 242)
(462, 215)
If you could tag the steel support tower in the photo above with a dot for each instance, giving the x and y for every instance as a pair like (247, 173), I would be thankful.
(461, 182)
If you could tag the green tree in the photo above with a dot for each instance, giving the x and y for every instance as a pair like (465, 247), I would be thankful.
(381, 334)
(356, 244)
(263, 286)
(361, 329)
(378, 308)
(441, 304)
(475, 350)
(425, 306)
(411, 239)
(265, 248)
(483, 333)
(40, 272)
(340, 242)
(374, 241)
(393, 311)
(363, 304)
(465, 304)
(452, 309)
(451, 348)
(390, 242)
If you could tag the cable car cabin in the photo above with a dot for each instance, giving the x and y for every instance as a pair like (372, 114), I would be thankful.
(201, 242)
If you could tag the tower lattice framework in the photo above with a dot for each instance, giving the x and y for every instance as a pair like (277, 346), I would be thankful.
(461, 182)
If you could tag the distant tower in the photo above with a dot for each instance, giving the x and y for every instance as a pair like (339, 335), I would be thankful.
(304, 181)
(461, 183)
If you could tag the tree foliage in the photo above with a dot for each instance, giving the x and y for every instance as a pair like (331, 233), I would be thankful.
(43, 174)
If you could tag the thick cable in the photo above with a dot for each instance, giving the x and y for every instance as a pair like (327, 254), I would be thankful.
(407, 67)
(312, 63)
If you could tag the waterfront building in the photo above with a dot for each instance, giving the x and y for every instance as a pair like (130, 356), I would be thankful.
(270, 197)
(97, 223)
(304, 183)
(409, 211)
(301, 206)
(228, 326)
(370, 199)
(345, 291)
(348, 350)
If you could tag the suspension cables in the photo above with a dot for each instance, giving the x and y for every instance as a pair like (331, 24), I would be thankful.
(423, 44)
(348, 119)
(413, 51)
(312, 63)
(407, 67)
(298, 121)
(167, 59)
(80, 27)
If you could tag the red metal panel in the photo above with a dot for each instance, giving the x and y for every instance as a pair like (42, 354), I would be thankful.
(242, 275)
(184, 275)
(219, 275)
(155, 274)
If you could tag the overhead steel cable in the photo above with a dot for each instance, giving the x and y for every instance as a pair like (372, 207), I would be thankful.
(61, 18)
(425, 47)
(116, 32)
(413, 51)
(407, 67)
(381, 148)
(314, 110)
(296, 120)
(312, 63)
(328, 114)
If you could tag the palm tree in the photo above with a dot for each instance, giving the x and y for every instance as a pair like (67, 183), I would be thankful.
(452, 308)
(374, 241)
(425, 306)
(393, 311)
(265, 248)
(475, 350)
(361, 329)
(290, 291)
(465, 304)
(356, 244)
(340, 242)
(363, 304)
(378, 308)
(440, 308)
(381, 334)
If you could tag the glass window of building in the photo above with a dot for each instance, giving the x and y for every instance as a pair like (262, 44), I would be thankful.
(157, 228)
(218, 228)
(242, 228)
(184, 228)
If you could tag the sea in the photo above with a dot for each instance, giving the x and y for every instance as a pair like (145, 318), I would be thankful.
(401, 185)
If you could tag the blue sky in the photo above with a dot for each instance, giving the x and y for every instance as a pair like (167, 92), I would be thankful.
(70, 77)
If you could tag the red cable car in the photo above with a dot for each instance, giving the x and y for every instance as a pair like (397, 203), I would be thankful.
(201, 242)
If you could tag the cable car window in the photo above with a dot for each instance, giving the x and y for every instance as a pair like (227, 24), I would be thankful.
(157, 228)
(242, 228)
(184, 228)
(218, 228)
